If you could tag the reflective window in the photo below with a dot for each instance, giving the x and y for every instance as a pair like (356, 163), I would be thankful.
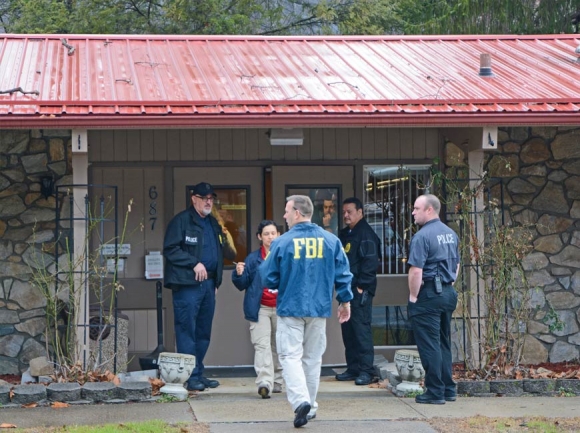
(390, 192)
(231, 210)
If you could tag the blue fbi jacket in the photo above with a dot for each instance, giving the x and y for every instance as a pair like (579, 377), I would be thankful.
(305, 264)
(435, 246)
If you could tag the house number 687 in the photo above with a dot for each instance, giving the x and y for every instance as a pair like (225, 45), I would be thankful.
(153, 206)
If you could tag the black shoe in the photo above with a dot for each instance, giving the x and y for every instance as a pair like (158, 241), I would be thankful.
(209, 383)
(347, 375)
(301, 417)
(264, 391)
(363, 379)
(450, 396)
(428, 399)
(194, 385)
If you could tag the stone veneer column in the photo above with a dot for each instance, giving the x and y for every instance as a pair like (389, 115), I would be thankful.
(540, 167)
(26, 224)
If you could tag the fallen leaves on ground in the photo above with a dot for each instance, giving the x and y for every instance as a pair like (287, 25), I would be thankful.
(557, 370)
(482, 424)
(380, 384)
(59, 405)
(29, 405)
(156, 384)
(6, 425)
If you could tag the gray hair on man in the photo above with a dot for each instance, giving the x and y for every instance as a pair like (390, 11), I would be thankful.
(302, 204)
(433, 201)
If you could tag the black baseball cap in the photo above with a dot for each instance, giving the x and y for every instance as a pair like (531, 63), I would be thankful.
(203, 189)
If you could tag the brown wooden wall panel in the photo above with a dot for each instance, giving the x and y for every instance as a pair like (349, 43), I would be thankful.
(367, 143)
(419, 144)
(160, 145)
(226, 146)
(199, 145)
(406, 143)
(186, 144)
(394, 144)
(173, 145)
(381, 144)
(251, 146)
(145, 223)
(107, 146)
(329, 144)
(320, 144)
(120, 142)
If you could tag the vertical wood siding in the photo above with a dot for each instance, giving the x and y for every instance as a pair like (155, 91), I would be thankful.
(320, 144)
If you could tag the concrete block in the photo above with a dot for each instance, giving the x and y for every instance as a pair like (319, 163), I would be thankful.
(99, 391)
(473, 387)
(510, 387)
(4, 394)
(134, 391)
(568, 385)
(24, 394)
(63, 392)
(539, 386)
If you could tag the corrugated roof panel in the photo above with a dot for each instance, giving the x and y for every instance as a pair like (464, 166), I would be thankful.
(247, 76)
(565, 107)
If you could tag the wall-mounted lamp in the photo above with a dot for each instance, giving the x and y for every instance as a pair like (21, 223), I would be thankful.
(286, 136)
(47, 186)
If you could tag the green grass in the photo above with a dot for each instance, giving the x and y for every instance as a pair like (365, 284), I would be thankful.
(153, 426)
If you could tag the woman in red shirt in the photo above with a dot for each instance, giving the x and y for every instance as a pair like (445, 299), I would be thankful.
(260, 310)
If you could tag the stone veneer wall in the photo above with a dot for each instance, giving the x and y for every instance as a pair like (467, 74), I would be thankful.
(540, 168)
(27, 219)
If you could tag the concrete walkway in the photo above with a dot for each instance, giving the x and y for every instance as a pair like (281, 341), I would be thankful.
(343, 407)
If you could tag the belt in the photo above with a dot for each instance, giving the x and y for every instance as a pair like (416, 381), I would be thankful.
(431, 281)
(211, 275)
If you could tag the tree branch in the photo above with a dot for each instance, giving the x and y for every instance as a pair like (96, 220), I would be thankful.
(19, 89)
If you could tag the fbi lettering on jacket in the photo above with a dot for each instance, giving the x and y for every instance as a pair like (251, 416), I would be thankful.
(311, 248)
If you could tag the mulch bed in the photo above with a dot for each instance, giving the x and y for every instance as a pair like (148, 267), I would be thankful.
(546, 370)
(11, 378)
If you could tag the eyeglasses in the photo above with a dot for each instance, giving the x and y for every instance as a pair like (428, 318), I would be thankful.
(206, 199)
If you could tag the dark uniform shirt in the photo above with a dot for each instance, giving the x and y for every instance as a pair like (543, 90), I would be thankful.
(209, 254)
(363, 249)
(435, 249)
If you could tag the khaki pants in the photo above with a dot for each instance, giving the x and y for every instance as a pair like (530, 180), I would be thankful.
(301, 344)
(263, 335)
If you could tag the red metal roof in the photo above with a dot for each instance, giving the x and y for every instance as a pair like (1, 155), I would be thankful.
(146, 81)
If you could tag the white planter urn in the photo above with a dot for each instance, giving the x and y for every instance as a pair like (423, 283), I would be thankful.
(174, 370)
(410, 370)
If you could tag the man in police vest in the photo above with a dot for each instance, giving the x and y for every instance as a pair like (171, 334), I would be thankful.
(305, 264)
(434, 261)
(363, 249)
(194, 248)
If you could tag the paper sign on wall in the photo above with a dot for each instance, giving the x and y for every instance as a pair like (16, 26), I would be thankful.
(154, 265)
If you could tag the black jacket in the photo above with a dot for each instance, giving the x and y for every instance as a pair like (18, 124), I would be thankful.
(363, 249)
(183, 245)
(251, 282)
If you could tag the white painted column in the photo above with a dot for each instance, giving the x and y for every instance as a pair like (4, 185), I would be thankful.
(80, 171)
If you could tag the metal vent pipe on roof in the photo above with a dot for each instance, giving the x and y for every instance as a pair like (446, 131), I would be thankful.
(485, 65)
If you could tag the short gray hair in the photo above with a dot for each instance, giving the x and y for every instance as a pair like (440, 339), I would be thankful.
(303, 204)
(433, 201)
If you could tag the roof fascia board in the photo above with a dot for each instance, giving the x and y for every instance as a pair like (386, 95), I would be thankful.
(314, 120)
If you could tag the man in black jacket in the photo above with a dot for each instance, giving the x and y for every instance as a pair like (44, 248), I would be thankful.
(194, 248)
(363, 249)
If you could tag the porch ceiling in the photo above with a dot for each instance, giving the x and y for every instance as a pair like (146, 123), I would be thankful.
(236, 81)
